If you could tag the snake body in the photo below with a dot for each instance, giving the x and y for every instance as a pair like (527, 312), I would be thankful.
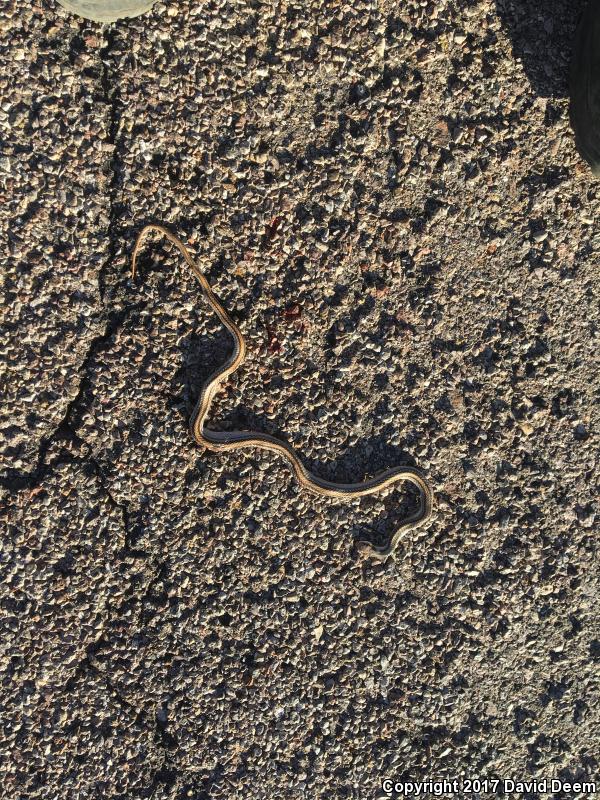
(219, 441)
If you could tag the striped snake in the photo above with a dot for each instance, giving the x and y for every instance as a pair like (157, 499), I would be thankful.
(219, 441)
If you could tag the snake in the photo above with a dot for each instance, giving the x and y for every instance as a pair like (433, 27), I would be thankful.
(220, 441)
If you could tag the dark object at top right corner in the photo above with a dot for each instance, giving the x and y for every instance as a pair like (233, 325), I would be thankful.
(585, 86)
(542, 35)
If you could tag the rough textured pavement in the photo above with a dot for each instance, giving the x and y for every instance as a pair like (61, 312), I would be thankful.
(387, 198)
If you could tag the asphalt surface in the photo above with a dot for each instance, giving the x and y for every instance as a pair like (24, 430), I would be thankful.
(387, 199)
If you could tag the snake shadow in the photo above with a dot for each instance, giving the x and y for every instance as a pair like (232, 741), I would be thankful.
(542, 34)
(200, 354)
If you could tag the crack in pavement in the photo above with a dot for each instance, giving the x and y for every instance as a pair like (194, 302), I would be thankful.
(78, 451)
(112, 98)
(66, 430)
(13, 480)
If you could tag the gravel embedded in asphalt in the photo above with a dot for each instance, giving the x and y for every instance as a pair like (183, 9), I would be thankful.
(387, 199)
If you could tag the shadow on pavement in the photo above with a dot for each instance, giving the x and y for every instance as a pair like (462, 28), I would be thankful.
(542, 33)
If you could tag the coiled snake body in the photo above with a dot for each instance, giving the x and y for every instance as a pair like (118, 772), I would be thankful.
(219, 441)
